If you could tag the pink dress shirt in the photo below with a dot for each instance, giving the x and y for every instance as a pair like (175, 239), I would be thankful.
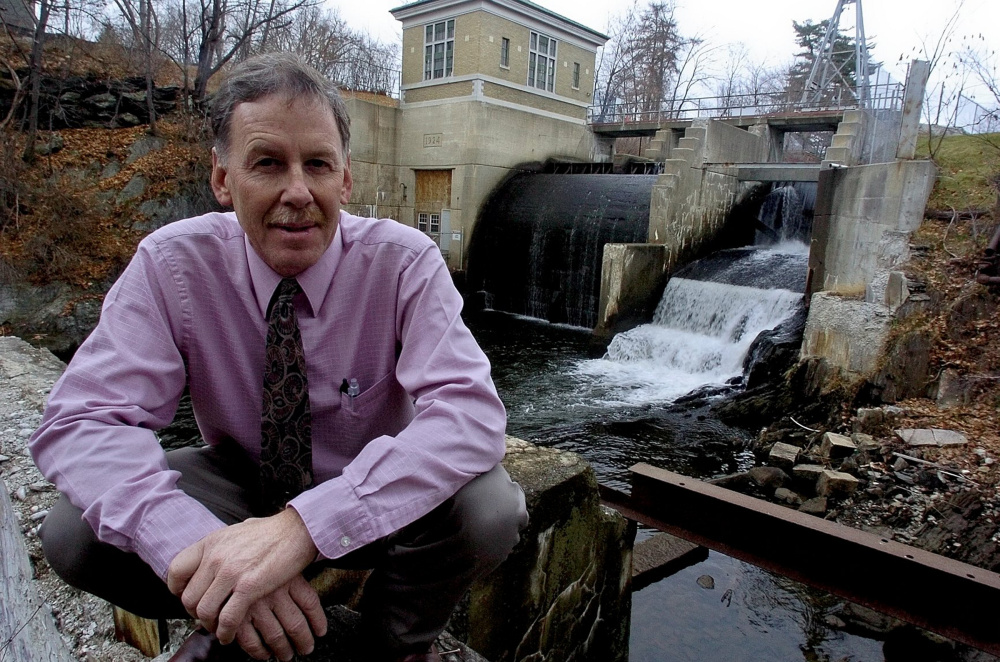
(379, 306)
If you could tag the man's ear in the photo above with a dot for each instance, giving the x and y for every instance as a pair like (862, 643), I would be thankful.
(219, 186)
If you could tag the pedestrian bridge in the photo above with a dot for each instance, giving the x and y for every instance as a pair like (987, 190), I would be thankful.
(777, 110)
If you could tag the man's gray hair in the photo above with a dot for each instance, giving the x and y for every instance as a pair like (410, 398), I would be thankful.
(274, 73)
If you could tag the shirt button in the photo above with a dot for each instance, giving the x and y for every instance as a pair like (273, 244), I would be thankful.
(345, 542)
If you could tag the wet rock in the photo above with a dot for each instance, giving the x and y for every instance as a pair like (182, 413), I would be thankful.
(867, 620)
(783, 455)
(738, 482)
(774, 352)
(835, 446)
(768, 477)
(931, 437)
(836, 484)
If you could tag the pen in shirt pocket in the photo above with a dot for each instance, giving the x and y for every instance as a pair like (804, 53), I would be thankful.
(351, 389)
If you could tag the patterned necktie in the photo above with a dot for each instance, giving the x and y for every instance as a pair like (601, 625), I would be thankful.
(286, 424)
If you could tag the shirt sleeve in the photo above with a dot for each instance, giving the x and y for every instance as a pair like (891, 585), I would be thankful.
(96, 441)
(457, 432)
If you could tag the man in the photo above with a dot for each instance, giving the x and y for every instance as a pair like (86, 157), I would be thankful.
(349, 414)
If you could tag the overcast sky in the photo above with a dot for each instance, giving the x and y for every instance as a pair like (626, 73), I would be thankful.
(896, 26)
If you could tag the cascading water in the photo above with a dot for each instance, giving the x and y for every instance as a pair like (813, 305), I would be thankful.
(786, 213)
(702, 328)
(539, 241)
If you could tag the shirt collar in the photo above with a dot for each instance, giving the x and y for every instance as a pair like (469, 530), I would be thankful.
(314, 281)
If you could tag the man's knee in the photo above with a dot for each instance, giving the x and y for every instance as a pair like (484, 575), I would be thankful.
(65, 537)
(492, 512)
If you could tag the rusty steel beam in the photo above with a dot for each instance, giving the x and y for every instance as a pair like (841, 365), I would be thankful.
(949, 597)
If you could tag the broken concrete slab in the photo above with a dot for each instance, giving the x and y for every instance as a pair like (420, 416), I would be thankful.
(783, 455)
(836, 446)
(836, 484)
(931, 437)
(814, 506)
(807, 472)
(865, 442)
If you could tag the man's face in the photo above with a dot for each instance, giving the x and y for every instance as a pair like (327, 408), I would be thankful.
(286, 176)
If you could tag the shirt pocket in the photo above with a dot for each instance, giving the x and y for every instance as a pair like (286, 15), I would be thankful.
(368, 400)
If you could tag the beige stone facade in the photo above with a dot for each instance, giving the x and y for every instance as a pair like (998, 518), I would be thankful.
(472, 113)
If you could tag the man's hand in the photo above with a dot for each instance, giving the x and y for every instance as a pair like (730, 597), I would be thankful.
(284, 619)
(222, 575)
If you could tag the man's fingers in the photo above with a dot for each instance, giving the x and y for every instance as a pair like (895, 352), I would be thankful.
(204, 596)
(271, 630)
(293, 622)
(232, 616)
(308, 602)
(183, 567)
(249, 641)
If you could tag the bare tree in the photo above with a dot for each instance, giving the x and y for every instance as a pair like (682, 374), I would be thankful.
(943, 96)
(351, 58)
(648, 67)
(142, 21)
(35, 76)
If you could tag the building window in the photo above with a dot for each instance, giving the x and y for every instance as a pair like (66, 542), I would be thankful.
(435, 223)
(576, 75)
(422, 221)
(542, 62)
(505, 53)
(439, 49)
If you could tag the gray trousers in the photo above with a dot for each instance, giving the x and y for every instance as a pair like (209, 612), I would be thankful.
(419, 572)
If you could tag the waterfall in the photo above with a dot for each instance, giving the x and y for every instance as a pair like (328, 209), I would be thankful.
(786, 213)
(539, 241)
(708, 316)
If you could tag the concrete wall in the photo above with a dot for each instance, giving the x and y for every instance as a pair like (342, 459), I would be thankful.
(863, 220)
(725, 143)
(632, 280)
(374, 161)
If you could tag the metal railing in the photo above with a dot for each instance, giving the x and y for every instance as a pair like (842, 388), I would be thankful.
(883, 96)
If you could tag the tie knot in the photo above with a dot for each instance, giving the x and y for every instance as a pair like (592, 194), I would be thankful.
(288, 287)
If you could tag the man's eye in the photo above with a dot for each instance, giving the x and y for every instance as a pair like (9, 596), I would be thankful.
(266, 162)
(317, 163)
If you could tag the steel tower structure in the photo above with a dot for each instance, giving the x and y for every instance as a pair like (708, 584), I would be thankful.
(825, 72)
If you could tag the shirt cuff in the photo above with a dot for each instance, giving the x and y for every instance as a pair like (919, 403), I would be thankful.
(170, 528)
(339, 529)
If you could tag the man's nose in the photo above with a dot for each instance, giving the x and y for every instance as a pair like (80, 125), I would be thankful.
(296, 192)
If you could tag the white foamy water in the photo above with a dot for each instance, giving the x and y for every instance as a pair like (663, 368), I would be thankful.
(699, 336)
